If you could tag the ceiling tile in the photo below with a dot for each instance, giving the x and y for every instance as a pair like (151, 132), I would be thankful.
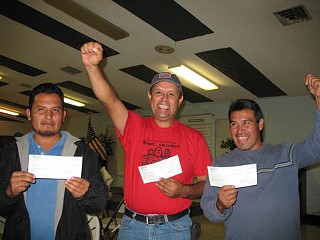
(20, 67)
(146, 74)
(10, 119)
(3, 83)
(168, 17)
(79, 109)
(233, 65)
(26, 15)
(75, 87)
(12, 104)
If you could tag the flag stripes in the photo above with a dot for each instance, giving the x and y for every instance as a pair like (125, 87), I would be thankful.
(95, 143)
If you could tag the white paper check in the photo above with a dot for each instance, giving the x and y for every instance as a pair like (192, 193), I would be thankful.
(238, 176)
(55, 167)
(165, 169)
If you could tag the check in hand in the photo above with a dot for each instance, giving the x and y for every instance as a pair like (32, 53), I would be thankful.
(20, 181)
(77, 186)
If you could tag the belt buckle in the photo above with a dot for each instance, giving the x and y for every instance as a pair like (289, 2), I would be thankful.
(150, 216)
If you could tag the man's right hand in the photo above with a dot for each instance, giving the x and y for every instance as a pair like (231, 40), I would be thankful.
(19, 182)
(91, 54)
(227, 196)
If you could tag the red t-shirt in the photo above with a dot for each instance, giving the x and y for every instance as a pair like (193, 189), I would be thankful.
(145, 143)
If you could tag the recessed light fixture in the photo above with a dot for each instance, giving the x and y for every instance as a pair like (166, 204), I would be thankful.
(9, 112)
(73, 102)
(193, 77)
(164, 49)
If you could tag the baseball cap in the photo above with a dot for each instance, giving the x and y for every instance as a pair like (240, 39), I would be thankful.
(166, 77)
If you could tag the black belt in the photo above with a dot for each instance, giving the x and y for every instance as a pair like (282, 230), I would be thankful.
(151, 219)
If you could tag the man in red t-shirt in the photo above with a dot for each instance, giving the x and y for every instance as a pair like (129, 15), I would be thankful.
(154, 209)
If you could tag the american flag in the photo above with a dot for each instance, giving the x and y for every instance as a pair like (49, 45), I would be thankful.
(95, 143)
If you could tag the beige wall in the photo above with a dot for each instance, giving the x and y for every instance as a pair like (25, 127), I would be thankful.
(10, 128)
(222, 133)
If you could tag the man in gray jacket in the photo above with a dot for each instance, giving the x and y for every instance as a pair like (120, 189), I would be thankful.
(40, 208)
(270, 209)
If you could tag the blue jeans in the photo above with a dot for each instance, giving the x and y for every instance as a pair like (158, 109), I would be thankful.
(176, 230)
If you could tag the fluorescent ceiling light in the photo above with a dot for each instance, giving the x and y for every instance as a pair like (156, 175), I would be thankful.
(193, 77)
(6, 111)
(73, 102)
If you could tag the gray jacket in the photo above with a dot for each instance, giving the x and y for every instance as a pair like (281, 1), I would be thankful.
(70, 214)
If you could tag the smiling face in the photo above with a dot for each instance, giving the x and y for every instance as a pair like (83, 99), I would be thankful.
(165, 101)
(245, 130)
(46, 115)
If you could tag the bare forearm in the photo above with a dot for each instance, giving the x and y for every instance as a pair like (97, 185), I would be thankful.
(107, 96)
(194, 191)
(100, 85)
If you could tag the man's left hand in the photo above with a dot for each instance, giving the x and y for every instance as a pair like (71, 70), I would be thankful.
(171, 187)
(77, 186)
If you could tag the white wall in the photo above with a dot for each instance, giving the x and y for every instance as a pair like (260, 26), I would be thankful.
(78, 126)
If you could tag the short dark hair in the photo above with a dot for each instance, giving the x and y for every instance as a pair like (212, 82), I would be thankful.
(47, 88)
(242, 104)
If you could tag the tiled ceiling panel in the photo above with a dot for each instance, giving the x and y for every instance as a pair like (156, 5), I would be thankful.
(20, 67)
(40, 39)
(26, 15)
(146, 74)
(141, 72)
(168, 17)
(13, 104)
(10, 119)
(3, 83)
(75, 87)
(233, 65)
(79, 109)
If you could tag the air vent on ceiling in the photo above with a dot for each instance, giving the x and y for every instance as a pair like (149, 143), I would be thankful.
(70, 70)
(293, 15)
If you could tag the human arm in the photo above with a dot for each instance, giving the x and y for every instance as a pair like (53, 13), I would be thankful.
(313, 84)
(91, 54)
(174, 188)
(307, 152)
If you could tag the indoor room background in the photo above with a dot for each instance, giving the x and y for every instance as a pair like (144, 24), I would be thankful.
(286, 119)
